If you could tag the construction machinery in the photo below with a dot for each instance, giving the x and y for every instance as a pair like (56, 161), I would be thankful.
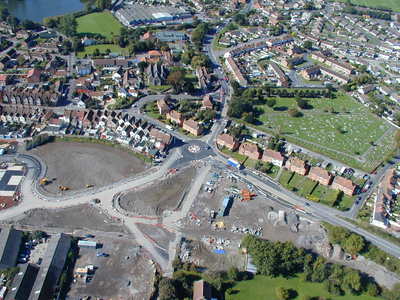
(247, 195)
(63, 188)
(43, 181)
(88, 186)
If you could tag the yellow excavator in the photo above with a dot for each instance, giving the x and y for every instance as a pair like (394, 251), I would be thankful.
(63, 188)
(43, 181)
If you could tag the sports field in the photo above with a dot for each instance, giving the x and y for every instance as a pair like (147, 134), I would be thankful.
(103, 48)
(103, 23)
(340, 128)
(263, 287)
(389, 4)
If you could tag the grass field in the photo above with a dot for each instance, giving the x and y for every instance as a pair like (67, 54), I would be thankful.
(390, 4)
(263, 287)
(351, 134)
(313, 191)
(102, 48)
(103, 23)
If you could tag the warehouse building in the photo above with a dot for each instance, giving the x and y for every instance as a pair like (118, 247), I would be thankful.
(10, 242)
(137, 14)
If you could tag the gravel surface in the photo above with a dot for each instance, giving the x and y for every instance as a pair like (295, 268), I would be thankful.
(76, 165)
(159, 196)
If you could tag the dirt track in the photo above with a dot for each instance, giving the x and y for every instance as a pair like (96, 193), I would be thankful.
(76, 165)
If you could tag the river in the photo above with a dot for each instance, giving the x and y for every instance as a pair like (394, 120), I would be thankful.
(36, 10)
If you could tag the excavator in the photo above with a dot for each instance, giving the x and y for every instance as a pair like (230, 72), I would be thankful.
(43, 181)
(63, 188)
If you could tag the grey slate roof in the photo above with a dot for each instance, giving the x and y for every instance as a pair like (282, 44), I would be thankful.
(10, 242)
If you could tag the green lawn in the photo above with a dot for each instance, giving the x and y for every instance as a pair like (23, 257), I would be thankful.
(309, 189)
(102, 48)
(347, 134)
(390, 4)
(263, 287)
(103, 23)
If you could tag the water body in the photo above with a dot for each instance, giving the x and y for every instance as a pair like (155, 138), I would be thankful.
(36, 10)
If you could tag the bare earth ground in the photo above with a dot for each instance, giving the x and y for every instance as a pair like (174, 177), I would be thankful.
(126, 274)
(160, 195)
(75, 165)
(161, 236)
(83, 217)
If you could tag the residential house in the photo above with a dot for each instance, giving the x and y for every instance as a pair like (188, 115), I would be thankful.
(345, 185)
(201, 290)
(5, 79)
(207, 102)
(192, 126)
(33, 76)
(162, 106)
(227, 141)
(274, 157)
(320, 175)
(297, 165)
(162, 139)
(250, 150)
(175, 117)
(237, 74)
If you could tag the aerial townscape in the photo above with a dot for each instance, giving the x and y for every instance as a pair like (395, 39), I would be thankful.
(196, 149)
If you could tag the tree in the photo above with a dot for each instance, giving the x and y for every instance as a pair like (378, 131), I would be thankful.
(68, 25)
(103, 4)
(200, 61)
(354, 244)
(142, 66)
(301, 103)
(352, 280)
(319, 272)
(337, 234)
(372, 289)
(282, 293)
(307, 45)
(167, 289)
(294, 113)
(176, 79)
(271, 102)
(4, 14)
(233, 273)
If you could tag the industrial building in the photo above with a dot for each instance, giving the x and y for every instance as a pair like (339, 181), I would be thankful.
(10, 242)
(51, 268)
(131, 14)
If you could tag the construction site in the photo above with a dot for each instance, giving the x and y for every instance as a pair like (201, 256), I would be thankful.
(225, 210)
(159, 196)
(112, 268)
(74, 166)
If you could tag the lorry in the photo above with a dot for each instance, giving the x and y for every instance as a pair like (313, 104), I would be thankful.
(234, 163)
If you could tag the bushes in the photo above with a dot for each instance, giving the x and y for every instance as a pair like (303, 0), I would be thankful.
(38, 140)
(355, 244)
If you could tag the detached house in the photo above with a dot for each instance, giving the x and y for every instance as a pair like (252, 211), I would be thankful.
(227, 141)
(250, 150)
(207, 102)
(192, 126)
(320, 175)
(297, 165)
(162, 140)
(162, 106)
(345, 185)
(274, 157)
(175, 117)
